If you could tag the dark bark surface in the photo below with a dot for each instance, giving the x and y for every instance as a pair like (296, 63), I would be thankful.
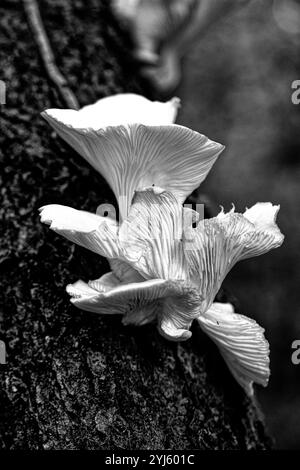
(74, 380)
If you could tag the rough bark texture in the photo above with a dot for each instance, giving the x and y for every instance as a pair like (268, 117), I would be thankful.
(75, 380)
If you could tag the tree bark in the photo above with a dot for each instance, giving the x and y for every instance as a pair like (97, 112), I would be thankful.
(74, 380)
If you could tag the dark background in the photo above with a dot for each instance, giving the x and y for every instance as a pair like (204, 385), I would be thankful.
(237, 90)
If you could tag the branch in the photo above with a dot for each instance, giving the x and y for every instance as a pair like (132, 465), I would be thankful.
(40, 36)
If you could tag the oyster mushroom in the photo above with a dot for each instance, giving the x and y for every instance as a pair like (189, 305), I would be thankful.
(163, 269)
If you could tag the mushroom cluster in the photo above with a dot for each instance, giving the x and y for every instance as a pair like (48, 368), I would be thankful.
(167, 262)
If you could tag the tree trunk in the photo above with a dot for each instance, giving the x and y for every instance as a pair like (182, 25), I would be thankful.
(74, 380)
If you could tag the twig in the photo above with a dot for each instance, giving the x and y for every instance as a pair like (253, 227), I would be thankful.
(40, 36)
